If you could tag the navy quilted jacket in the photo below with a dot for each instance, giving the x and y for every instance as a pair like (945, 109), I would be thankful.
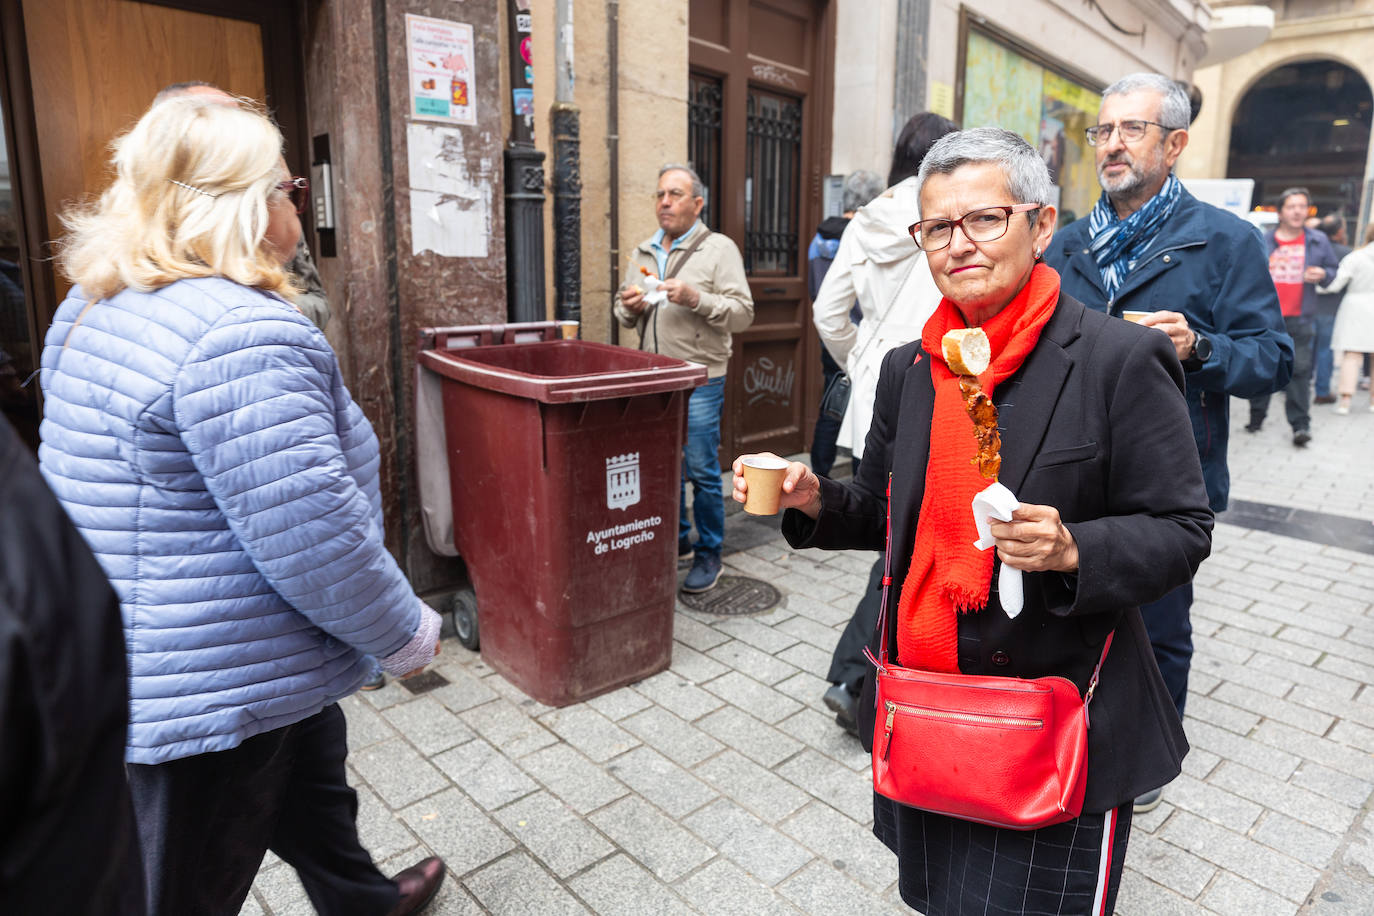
(201, 438)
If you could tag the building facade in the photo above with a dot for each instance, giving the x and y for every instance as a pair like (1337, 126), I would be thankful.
(1296, 110)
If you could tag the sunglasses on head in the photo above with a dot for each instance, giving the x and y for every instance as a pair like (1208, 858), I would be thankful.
(298, 190)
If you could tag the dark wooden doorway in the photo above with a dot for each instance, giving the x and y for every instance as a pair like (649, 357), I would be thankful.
(759, 134)
(77, 72)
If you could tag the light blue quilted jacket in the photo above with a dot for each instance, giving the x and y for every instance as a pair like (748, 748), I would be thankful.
(201, 438)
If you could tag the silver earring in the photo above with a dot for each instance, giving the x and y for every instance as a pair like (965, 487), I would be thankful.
(1037, 254)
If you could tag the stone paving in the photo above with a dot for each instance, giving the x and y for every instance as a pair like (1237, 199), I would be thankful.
(722, 786)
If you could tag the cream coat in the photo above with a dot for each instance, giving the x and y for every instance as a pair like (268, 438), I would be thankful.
(879, 264)
(1354, 329)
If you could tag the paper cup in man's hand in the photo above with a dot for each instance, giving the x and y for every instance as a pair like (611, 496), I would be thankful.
(764, 476)
(1135, 317)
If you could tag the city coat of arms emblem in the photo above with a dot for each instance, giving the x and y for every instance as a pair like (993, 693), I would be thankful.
(622, 481)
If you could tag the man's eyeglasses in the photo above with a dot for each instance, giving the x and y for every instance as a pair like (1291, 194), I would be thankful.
(298, 190)
(983, 225)
(674, 194)
(1129, 131)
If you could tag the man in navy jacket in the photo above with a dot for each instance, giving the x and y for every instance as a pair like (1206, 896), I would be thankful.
(1300, 260)
(1200, 274)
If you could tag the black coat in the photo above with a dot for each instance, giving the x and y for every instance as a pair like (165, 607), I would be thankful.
(1094, 423)
(67, 837)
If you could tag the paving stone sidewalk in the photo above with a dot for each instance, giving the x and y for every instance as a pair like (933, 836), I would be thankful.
(722, 786)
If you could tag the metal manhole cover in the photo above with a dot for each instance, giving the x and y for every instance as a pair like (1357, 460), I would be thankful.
(423, 683)
(734, 596)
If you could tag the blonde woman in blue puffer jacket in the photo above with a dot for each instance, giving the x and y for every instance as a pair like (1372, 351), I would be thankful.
(199, 434)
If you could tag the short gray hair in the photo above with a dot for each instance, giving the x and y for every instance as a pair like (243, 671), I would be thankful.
(1028, 178)
(1175, 111)
(698, 186)
(860, 187)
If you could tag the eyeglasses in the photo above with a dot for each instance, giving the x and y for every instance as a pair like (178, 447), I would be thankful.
(1129, 131)
(298, 190)
(983, 225)
(674, 194)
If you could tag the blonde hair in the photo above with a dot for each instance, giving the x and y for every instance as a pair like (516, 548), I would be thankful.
(193, 178)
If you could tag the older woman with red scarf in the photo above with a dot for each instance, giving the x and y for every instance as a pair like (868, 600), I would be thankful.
(1097, 447)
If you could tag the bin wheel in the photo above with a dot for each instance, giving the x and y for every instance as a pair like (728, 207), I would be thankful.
(465, 620)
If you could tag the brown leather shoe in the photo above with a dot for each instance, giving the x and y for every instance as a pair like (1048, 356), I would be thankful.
(418, 884)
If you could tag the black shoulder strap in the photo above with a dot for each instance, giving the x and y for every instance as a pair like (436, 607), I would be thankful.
(687, 253)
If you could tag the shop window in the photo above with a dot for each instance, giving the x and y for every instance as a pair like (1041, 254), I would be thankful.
(1049, 108)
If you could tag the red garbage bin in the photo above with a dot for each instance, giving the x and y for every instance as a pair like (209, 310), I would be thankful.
(564, 459)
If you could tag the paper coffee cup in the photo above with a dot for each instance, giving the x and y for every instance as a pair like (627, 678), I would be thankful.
(764, 476)
(1135, 316)
(568, 329)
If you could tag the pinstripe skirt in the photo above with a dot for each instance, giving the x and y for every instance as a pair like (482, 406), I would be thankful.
(949, 867)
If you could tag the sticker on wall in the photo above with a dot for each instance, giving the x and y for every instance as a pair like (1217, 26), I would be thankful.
(942, 99)
(442, 79)
(450, 208)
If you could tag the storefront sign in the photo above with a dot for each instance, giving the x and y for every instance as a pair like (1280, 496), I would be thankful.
(442, 82)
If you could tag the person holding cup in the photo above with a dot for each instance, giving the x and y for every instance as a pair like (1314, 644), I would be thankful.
(1090, 408)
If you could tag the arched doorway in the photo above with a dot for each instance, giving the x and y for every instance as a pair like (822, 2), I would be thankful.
(1305, 124)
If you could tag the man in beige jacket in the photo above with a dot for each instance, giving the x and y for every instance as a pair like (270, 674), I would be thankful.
(686, 294)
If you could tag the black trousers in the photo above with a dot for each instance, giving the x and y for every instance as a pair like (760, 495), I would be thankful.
(206, 821)
(1297, 397)
(1170, 626)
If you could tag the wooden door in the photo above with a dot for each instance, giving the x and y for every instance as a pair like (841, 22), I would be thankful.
(95, 65)
(758, 132)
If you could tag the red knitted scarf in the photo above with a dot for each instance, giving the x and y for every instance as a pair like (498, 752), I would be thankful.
(948, 575)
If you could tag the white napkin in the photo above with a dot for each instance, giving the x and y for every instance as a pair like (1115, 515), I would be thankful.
(653, 295)
(998, 502)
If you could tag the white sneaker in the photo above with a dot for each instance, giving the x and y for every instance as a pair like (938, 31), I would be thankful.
(1342, 409)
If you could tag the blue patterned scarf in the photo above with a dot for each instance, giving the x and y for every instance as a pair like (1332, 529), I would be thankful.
(1118, 243)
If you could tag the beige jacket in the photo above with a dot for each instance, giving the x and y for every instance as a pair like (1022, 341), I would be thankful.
(703, 334)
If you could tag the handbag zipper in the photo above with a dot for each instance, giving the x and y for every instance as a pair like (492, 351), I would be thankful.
(973, 718)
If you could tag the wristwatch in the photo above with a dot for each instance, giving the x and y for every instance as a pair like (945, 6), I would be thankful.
(1199, 354)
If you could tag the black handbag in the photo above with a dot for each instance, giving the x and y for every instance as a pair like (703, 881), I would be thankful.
(835, 398)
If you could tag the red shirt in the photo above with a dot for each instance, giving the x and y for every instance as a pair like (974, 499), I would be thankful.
(1286, 263)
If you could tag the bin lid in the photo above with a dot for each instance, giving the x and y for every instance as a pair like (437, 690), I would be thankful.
(564, 371)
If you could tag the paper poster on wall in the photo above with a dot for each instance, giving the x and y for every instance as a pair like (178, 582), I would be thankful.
(450, 208)
(442, 81)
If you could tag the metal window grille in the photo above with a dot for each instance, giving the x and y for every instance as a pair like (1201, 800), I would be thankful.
(703, 137)
(772, 182)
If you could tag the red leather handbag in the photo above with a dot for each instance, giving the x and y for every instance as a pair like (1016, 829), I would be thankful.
(1010, 752)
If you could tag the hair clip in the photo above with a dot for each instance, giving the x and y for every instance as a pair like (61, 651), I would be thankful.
(191, 187)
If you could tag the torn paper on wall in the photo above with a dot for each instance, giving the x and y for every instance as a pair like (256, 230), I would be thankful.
(450, 209)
